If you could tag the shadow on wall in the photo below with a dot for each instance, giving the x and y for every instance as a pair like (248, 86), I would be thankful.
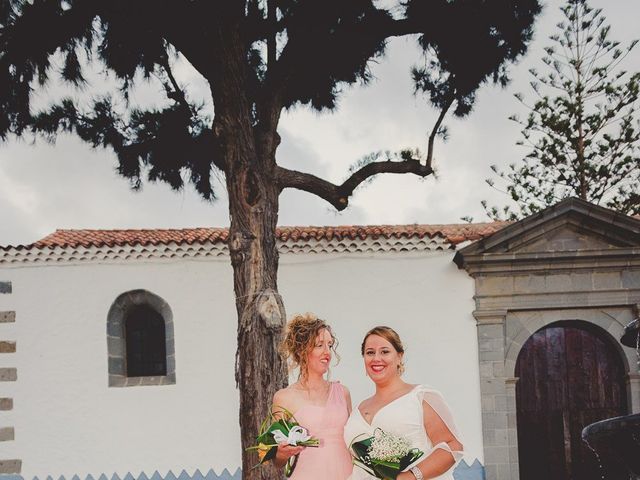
(463, 471)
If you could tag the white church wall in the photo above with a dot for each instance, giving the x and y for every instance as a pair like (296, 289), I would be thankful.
(69, 422)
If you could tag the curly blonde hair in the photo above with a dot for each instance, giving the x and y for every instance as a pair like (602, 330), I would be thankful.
(299, 338)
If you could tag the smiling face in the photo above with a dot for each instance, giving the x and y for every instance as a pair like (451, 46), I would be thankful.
(381, 360)
(319, 355)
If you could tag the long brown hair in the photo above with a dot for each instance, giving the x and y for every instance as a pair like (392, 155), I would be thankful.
(300, 336)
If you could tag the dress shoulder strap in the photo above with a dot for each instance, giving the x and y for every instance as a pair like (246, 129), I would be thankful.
(336, 394)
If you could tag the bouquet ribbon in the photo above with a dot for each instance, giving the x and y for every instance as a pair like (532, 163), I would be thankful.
(296, 435)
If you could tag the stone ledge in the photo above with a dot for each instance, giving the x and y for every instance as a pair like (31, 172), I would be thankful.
(490, 317)
(124, 381)
(10, 466)
(7, 317)
(561, 300)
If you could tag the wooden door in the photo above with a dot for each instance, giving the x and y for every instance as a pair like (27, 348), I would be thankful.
(571, 375)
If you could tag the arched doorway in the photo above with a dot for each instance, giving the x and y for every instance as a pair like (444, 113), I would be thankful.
(570, 375)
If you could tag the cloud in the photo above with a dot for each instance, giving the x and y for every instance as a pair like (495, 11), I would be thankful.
(69, 185)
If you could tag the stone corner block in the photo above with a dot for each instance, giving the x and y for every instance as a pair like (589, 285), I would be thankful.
(10, 466)
(7, 317)
(9, 374)
(7, 434)
(7, 346)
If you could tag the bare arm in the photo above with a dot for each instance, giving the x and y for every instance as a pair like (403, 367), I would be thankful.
(439, 461)
(347, 397)
(281, 400)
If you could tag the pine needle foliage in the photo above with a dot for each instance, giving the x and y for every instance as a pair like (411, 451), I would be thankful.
(298, 52)
(583, 127)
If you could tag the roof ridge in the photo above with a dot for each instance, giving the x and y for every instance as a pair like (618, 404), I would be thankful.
(71, 238)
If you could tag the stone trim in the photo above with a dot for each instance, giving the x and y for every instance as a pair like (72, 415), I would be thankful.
(490, 317)
(561, 262)
(5, 287)
(500, 340)
(521, 325)
(7, 317)
(600, 223)
(7, 346)
(116, 346)
(10, 466)
(8, 374)
(7, 434)
(558, 300)
(6, 403)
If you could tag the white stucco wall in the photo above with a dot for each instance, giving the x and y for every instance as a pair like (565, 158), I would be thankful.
(68, 421)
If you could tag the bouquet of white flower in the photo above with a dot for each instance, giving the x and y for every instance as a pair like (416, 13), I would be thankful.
(281, 427)
(384, 455)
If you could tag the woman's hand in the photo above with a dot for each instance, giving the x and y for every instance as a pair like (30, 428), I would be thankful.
(285, 452)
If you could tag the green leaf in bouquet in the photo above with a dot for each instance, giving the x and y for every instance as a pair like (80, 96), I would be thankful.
(386, 470)
(361, 448)
(290, 466)
(410, 457)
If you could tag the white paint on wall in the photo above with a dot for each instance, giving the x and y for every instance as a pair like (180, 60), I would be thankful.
(68, 421)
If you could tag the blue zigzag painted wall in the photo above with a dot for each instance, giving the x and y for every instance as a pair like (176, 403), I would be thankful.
(463, 471)
(184, 475)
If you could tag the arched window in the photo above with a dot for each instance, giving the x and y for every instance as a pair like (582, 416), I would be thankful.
(140, 341)
(145, 340)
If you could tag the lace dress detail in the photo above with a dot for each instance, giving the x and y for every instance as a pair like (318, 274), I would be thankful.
(331, 460)
(404, 417)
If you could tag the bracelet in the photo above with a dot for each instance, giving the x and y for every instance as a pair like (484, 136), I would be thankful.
(417, 473)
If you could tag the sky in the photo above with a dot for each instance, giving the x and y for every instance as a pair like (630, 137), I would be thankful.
(69, 185)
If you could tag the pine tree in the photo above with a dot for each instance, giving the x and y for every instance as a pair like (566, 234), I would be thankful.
(583, 129)
(258, 57)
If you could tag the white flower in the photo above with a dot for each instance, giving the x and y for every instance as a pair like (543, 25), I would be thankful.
(388, 447)
(296, 435)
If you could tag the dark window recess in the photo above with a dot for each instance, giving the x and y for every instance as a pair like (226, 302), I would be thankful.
(145, 340)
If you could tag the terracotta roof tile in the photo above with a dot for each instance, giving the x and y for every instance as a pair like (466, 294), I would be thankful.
(452, 233)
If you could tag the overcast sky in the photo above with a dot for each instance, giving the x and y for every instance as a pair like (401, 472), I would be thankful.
(69, 185)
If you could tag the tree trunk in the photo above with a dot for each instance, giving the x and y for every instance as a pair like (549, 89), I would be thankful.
(260, 370)
(250, 167)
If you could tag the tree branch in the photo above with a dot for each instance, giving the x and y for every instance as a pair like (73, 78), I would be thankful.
(177, 94)
(436, 127)
(338, 195)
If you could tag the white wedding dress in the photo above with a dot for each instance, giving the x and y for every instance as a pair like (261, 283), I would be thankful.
(404, 417)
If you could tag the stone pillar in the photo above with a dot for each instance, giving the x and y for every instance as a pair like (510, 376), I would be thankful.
(494, 395)
(512, 427)
(633, 382)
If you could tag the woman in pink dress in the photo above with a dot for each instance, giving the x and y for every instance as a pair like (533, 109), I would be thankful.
(320, 406)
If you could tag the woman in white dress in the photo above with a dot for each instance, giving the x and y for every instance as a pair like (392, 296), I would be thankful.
(415, 412)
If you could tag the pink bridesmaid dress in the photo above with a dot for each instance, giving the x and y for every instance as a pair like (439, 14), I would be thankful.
(331, 460)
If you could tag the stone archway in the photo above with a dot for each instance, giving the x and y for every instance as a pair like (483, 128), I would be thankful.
(116, 339)
(570, 374)
(501, 336)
